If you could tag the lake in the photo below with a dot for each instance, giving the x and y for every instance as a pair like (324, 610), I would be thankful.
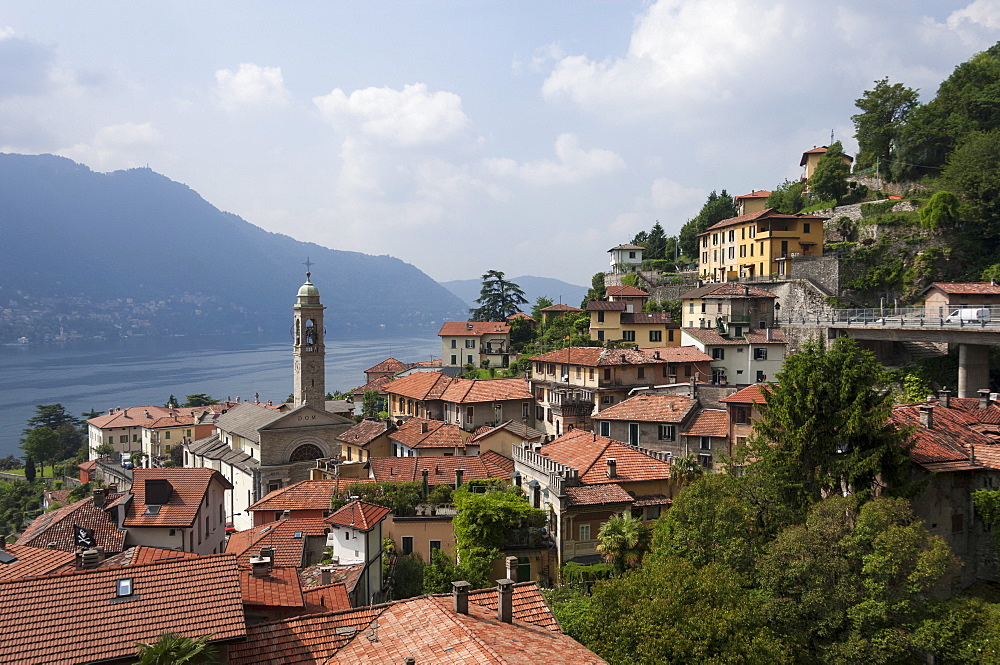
(134, 372)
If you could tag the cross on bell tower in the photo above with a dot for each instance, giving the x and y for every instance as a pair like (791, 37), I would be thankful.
(308, 349)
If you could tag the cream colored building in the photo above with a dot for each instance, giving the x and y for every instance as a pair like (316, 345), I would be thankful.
(810, 159)
(464, 342)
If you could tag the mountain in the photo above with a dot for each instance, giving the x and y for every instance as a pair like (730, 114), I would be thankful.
(554, 289)
(145, 248)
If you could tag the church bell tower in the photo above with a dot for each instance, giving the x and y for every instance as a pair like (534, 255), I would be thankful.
(309, 350)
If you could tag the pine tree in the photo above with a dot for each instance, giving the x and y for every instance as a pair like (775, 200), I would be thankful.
(498, 299)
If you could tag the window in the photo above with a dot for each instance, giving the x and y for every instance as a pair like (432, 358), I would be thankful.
(761, 377)
(591, 373)
(135, 438)
(468, 359)
(539, 413)
(667, 433)
(550, 369)
(607, 373)
(957, 523)
(732, 236)
(525, 409)
(349, 453)
(604, 428)
(718, 354)
(123, 438)
(454, 343)
(607, 399)
(633, 434)
(641, 372)
(732, 253)
(631, 255)
(670, 335)
(579, 372)
(538, 368)
(600, 317)
(704, 257)
(407, 544)
(469, 412)
(760, 354)
(470, 343)
(691, 307)
(628, 335)
(584, 532)
(706, 443)
(741, 415)
(805, 227)
(743, 251)
(124, 587)
(454, 359)
(434, 545)
(655, 335)
(715, 238)
(167, 434)
(600, 335)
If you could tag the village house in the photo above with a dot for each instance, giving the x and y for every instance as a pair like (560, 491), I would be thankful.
(743, 408)
(367, 439)
(553, 312)
(419, 437)
(610, 321)
(505, 437)
(941, 298)
(810, 160)
(734, 307)
(757, 244)
(465, 342)
(755, 201)
(467, 403)
(572, 384)
(161, 435)
(293, 542)
(355, 539)
(654, 422)
(625, 258)
(752, 357)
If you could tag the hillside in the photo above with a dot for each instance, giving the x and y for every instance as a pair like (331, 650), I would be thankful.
(554, 289)
(77, 241)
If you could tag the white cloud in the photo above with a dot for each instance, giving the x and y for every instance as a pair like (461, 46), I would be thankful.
(573, 164)
(116, 147)
(981, 12)
(412, 116)
(251, 85)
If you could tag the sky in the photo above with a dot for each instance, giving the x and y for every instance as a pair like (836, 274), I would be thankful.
(463, 136)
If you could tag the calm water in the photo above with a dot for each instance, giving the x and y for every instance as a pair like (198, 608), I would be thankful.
(134, 372)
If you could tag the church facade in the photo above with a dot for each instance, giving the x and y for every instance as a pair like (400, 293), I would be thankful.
(259, 449)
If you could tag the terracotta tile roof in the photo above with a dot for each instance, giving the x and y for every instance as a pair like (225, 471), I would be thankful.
(756, 194)
(143, 554)
(441, 469)
(678, 354)
(168, 422)
(970, 405)
(593, 356)
(816, 151)
(425, 628)
(640, 318)
(79, 617)
(32, 561)
(625, 292)
(326, 598)
(966, 288)
(136, 416)
(56, 528)
(477, 329)
(438, 434)
(60, 496)
(281, 536)
(651, 500)
(560, 308)
(767, 213)
(626, 247)
(359, 515)
(759, 336)
(750, 395)
(727, 290)
(420, 386)
(650, 408)
(471, 391)
(279, 589)
(188, 487)
(712, 337)
(518, 429)
(89, 465)
(596, 495)
(378, 383)
(521, 315)
(312, 576)
(388, 365)
(364, 432)
(606, 306)
(945, 441)
(710, 422)
(588, 453)
(303, 495)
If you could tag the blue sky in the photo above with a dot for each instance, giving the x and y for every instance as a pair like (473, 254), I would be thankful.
(528, 137)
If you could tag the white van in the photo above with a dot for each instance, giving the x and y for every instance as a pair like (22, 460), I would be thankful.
(969, 315)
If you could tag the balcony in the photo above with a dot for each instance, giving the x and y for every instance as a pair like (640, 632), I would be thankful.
(610, 383)
(527, 538)
(495, 349)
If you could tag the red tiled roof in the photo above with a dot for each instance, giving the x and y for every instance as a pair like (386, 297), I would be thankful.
(303, 495)
(561, 308)
(593, 356)
(756, 194)
(188, 489)
(729, 290)
(759, 336)
(640, 318)
(710, 422)
(279, 589)
(281, 536)
(518, 429)
(596, 495)
(441, 469)
(945, 441)
(750, 395)
(56, 528)
(170, 421)
(478, 328)
(312, 576)
(626, 246)
(520, 315)
(326, 598)
(678, 354)
(606, 306)
(712, 337)
(767, 213)
(966, 288)
(33, 561)
(421, 386)
(626, 292)
(816, 151)
(78, 618)
(388, 365)
(360, 515)
(364, 432)
(970, 405)
(650, 408)
(425, 628)
(471, 391)
(88, 465)
(378, 383)
(438, 434)
(588, 453)
(143, 554)
(135, 416)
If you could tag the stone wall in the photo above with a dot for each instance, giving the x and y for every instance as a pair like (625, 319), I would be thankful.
(822, 271)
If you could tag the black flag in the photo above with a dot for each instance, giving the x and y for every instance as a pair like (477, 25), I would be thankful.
(83, 537)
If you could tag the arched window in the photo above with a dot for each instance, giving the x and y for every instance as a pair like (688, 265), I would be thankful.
(306, 452)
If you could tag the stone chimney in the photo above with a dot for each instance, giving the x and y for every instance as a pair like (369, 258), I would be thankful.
(89, 558)
(424, 476)
(423, 427)
(505, 598)
(112, 488)
(927, 417)
(945, 397)
(984, 398)
(612, 467)
(260, 566)
(326, 575)
(100, 495)
(460, 596)
(972, 454)
(458, 477)
(511, 562)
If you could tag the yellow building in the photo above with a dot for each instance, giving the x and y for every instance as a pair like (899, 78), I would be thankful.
(810, 158)
(758, 244)
(755, 201)
(611, 321)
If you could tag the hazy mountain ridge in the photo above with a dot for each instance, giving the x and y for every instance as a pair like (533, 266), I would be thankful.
(74, 233)
(554, 289)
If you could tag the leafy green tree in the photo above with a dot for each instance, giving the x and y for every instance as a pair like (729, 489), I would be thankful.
(408, 577)
(961, 630)
(941, 212)
(787, 197)
(884, 111)
(29, 469)
(522, 333)
(484, 519)
(597, 290)
(402, 498)
(656, 244)
(71, 442)
(442, 570)
(51, 416)
(173, 649)
(105, 450)
(93, 413)
(992, 273)
(825, 427)
(686, 469)
(624, 540)
(717, 208)
(43, 444)
(973, 173)
(829, 180)
(371, 404)
(498, 299)
(541, 302)
(199, 399)
(172, 402)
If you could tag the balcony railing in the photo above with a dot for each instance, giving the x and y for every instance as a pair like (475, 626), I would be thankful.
(526, 537)
(495, 349)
